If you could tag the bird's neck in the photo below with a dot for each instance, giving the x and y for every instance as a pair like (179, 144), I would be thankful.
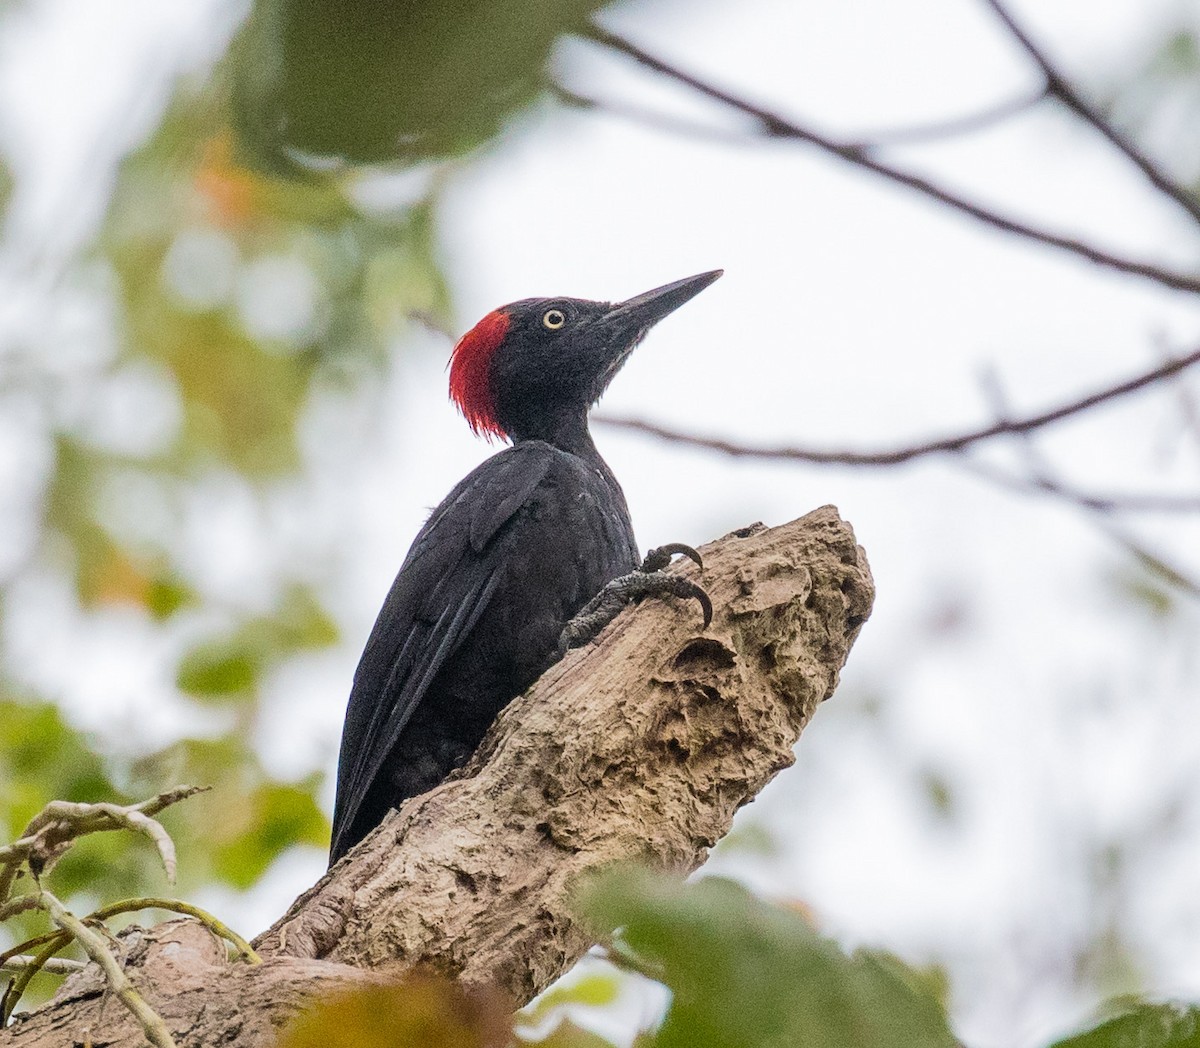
(567, 432)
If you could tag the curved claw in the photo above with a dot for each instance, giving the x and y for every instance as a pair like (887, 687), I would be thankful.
(678, 586)
(692, 590)
(660, 557)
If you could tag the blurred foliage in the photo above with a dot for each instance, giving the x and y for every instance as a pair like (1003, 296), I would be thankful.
(387, 81)
(1159, 96)
(550, 1019)
(595, 989)
(745, 973)
(231, 666)
(420, 1012)
(229, 835)
(750, 840)
(1143, 1025)
(218, 304)
(1141, 588)
(232, 834)
(6, 185)
(245, 289)
(938, 792)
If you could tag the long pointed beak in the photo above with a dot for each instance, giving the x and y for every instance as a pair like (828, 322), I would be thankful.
(636, 315)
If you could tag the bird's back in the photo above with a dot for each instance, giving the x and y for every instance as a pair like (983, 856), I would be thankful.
(473, 618)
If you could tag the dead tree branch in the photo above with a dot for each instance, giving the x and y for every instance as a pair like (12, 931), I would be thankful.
(908, 452)
(949, 127)
(640, 748)
(775, 125)
(1059, 87)
(918, 134)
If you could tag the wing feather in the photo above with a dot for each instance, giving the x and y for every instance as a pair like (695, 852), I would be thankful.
(445, 584)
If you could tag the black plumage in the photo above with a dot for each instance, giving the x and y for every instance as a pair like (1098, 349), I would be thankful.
(508, 558)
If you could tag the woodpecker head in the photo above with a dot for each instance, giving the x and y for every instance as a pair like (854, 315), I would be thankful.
(533, 367)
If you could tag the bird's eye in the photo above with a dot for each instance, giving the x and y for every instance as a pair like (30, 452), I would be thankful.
(554, 319)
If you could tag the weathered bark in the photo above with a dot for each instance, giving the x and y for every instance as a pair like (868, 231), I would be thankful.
(638, 748)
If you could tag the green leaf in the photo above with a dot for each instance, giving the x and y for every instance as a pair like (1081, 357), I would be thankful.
(389, 82)
(745, 974)
(42, 758)
(1143, 1026)
(222, 668)
(168, 593)
(592, 990)
(420, 1012)
(302, 623)
(268, 821)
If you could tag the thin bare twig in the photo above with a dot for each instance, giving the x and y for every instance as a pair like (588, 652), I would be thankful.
(951, 127)
(36, 941)
(1058, 86)
(53, 966)
(917, 134)
(895, 456)
(1102, 509)
(651, 118)
(21, 904)
(1185, 398)
(97, 949)
(1108, 503)
(1151, 561)
(38, 962)
(175, 906)
(56, 827)
(777, 126)
(49, 834)
(1042, 474)
(51, 943)
(1189, 409)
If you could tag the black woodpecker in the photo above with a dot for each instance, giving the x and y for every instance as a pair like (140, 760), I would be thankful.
(492, 590)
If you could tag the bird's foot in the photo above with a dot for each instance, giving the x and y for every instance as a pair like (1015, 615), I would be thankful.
(649, 580)
(659, 558)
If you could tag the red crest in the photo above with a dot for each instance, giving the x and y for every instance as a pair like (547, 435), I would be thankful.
(470, 373)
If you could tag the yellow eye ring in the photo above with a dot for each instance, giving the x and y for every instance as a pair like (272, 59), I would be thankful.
(553, 319)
